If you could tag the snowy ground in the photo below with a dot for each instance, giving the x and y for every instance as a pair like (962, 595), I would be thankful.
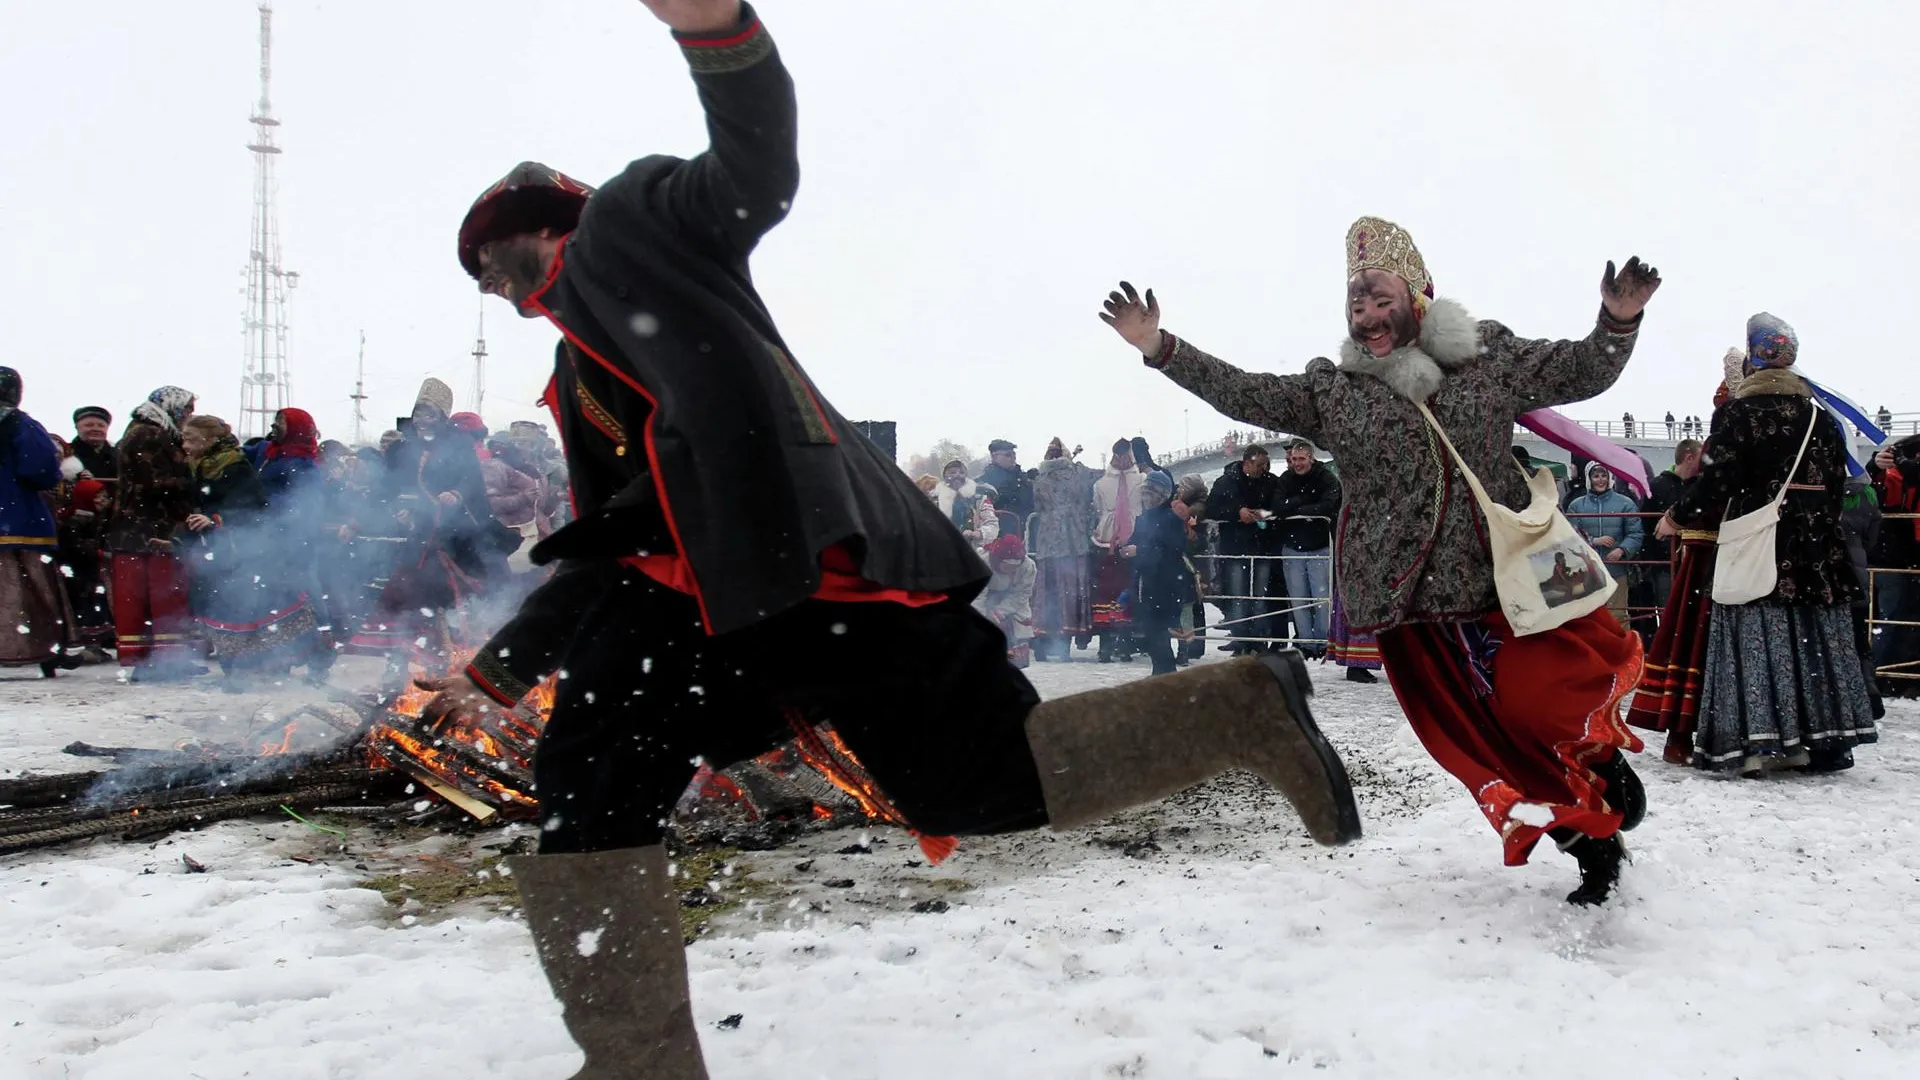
(1764, 931)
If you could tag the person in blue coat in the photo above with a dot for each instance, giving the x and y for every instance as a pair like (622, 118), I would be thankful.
(32, 599)
(1163, 583)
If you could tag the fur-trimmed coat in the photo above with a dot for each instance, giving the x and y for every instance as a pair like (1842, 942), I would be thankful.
(1754, 439)
(969, 510)
(1411, 543)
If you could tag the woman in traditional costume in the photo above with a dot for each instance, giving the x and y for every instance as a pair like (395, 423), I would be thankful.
(1782, 687)
(1669, 696)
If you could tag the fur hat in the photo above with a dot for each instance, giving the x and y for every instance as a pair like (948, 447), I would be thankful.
(530, 198)
(1771, 343)
(437, 394)
(952, 464)
(1000, 446)
(1377, 244)
(94, 411)
(1159, 480)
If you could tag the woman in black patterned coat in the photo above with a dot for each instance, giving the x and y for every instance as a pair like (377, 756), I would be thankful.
(1783, 684)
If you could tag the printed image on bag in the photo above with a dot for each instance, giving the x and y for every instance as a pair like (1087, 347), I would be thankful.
(1567, 573)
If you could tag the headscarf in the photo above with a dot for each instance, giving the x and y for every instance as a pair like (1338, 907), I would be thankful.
(1772, 343)
(167, 407)
(301, 440)
(1009, 548)
(469, 424)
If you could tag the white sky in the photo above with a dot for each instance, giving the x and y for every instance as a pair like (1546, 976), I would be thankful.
(976, 176)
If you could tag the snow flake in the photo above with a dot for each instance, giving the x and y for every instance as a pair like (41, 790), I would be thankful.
(589, 697)
(644, 324)
(24, 628)
(646, 665)
(504, 652)
(1533, 814)
(47, 559)
(839, 628)
(589, 941)
(422, 806)
(740, 212)
(696, 691)
(553, 824)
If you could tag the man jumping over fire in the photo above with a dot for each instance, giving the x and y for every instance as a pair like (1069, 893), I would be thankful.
(690, 620)
(1530, 724)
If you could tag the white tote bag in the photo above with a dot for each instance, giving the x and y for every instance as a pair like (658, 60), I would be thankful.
(1544, 571)
(1747, 565)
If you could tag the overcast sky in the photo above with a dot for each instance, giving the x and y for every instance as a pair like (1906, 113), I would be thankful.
(975, 177)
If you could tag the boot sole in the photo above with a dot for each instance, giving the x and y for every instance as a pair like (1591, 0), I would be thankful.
(1289, 670)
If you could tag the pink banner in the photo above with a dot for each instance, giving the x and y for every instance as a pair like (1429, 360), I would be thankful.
(1571, 437)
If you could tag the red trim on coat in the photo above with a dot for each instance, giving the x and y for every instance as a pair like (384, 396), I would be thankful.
(492, 691)
(646, 431)
(735, 38)
(265, 621)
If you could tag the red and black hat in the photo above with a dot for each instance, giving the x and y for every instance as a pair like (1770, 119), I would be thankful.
(530, 198)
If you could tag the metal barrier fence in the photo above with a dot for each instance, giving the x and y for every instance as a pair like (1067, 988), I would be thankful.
(1895, 668)
(1271, 605)
(1277, 607)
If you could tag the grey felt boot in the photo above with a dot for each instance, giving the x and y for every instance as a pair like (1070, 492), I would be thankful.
(607, 926)
(1103, 751)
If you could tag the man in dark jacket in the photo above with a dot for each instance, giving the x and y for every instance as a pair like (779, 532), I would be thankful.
(1306, 502)
(1013, 484)
(695, 620)
(90, 442)
(1242, 502)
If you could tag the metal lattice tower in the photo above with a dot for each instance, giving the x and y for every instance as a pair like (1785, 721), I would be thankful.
(263, 381)
(480, 364)
(359, 395)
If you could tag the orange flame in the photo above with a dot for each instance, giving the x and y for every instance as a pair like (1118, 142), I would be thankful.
(285, 744)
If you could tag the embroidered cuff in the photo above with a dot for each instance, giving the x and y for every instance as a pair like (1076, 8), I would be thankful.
(489, 674)
(1614, 326)
(1168, 343)
(735, 50)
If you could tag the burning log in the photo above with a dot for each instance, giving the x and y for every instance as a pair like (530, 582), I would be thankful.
(374, 746)
(140, 823)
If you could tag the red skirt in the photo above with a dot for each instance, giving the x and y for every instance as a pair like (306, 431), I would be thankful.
(1112, 591)
(152, 619)
(1669, 695)
(1521, 721)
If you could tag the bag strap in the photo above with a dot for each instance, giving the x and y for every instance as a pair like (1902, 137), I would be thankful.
(1473, 481)
(1781, 495)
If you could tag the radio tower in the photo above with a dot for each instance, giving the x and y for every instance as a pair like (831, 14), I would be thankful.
(263, 381)
(359, 395)
(480, 363)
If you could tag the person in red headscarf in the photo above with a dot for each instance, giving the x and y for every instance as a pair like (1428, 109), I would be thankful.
(1008, 599)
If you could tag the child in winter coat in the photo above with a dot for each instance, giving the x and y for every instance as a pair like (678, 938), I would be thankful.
(1163, 584)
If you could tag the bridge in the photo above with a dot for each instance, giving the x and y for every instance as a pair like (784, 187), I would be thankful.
(1650, 441)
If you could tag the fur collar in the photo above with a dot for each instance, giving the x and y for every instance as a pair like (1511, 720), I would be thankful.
(945, 493)
(1775, 382)
(1053, 465)
(1449, 338)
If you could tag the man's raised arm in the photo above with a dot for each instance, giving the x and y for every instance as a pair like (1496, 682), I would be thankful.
(744, 183)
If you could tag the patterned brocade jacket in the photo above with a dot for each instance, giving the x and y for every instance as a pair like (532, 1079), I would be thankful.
(1411, 545)
(1755, 439)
